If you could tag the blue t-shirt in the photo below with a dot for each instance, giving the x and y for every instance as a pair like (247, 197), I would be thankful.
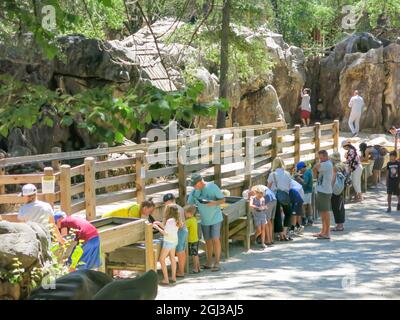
(308, 181)
(269, 196)
(209, 215)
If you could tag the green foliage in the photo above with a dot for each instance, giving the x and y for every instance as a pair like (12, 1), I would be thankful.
(102, 115)
(15, 275)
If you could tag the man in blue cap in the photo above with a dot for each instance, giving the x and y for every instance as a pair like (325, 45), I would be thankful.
(86, 254)
(304, 176)
(208, 198)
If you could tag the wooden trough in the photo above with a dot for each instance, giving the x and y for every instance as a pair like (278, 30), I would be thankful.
(116, 234)
(237, 223)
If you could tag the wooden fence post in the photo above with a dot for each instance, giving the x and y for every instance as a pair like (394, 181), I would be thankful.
(317, 134)
(65, 189)
(217, 160)
(181, 176)
(2, 173)
(248, 162)
(103, 174)
(49, 174)
(149, 248)
(90, 190)
(296, 143)
(140, 177)
(56, 163)
(336, 133)
(274, 143)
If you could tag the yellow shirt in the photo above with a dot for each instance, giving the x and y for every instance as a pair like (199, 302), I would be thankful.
(191, 224)
(131, 211)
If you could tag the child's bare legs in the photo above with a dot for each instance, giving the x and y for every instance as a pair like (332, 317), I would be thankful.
(263, 233)
(268, 232)
(196, 263)
(308, 121)
(163, 255)
(304, 122)
(173, 264)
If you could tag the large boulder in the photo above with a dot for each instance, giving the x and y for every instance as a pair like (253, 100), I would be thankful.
(27, 242)
(262, 105)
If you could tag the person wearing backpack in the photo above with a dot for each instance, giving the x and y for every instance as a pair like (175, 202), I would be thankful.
(279, 182)
(324, 171)
(338, 198)
(376, 154)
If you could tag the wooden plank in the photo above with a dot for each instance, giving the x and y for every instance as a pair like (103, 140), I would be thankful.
(287, 144)
(150, 258)
(307, 130)
(116, 180)
(328, 126)
(11, 198)
(122, 235)
(264, 161)
(65, 189)
(49, 197)
(114, 164)
(287, 155)
(307, 152)
(68, 155)
(336, 133)
(78, 170)
(217, 163)
(307, 140)
(160, 187)
(262, 137)
(77, 188)
(325, 138)
(20, 178)
(90, 190)
(182, 180)
(79, 206)
(317, 141)
(287, 132)
(297, 143)
(156, 173)
(117, 196)
(274, 143)
(140, 179)
(328, 146)
(261, 150)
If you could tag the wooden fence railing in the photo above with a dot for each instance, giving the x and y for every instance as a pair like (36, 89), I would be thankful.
(219, 154)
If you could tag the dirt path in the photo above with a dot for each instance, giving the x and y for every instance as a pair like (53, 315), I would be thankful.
(361, 263)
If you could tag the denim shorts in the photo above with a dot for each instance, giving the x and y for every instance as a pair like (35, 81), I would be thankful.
(211, 232)
(182, 236)
(169, 245)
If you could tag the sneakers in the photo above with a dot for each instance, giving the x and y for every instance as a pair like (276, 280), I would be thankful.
(299, 229)
(389, 210)
(310, 222)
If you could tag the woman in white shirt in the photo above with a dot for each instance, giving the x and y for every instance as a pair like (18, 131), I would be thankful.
(279, 182)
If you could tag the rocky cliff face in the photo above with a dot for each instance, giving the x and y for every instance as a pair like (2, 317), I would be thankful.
(369, 65)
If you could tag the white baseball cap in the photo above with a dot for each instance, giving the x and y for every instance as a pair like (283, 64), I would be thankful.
(28, 190)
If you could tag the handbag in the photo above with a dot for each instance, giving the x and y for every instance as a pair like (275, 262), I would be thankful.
(282, 196)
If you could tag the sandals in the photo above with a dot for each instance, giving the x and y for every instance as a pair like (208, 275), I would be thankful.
(337, 229)
(163, 284)
(195, 272)
(215, 269)
(323, 238)
(204, 266)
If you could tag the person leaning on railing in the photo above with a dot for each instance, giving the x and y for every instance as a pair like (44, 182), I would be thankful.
(135, 210)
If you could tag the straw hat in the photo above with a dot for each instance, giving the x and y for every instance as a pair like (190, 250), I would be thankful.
(346, 143)
(335, 157)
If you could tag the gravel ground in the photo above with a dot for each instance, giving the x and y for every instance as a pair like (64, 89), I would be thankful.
(361, 263)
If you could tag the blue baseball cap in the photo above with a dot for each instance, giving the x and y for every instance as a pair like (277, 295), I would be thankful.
(300, 165)
(58, 215)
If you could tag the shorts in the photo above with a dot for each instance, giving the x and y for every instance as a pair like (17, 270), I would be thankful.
(90, 258)
(193, 249)
(378, 163)
(169, 245)
(393, 188)
(271, 210)
(260, 217)
(305, 114)
(323, 202)
(298, 210)
(182, 236)
(307, 198)
(212, 231)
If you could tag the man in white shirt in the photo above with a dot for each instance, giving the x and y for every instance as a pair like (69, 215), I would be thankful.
(357, 105)
(37, 211)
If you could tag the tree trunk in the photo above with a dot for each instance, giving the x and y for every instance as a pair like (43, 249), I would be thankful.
(224, 67)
